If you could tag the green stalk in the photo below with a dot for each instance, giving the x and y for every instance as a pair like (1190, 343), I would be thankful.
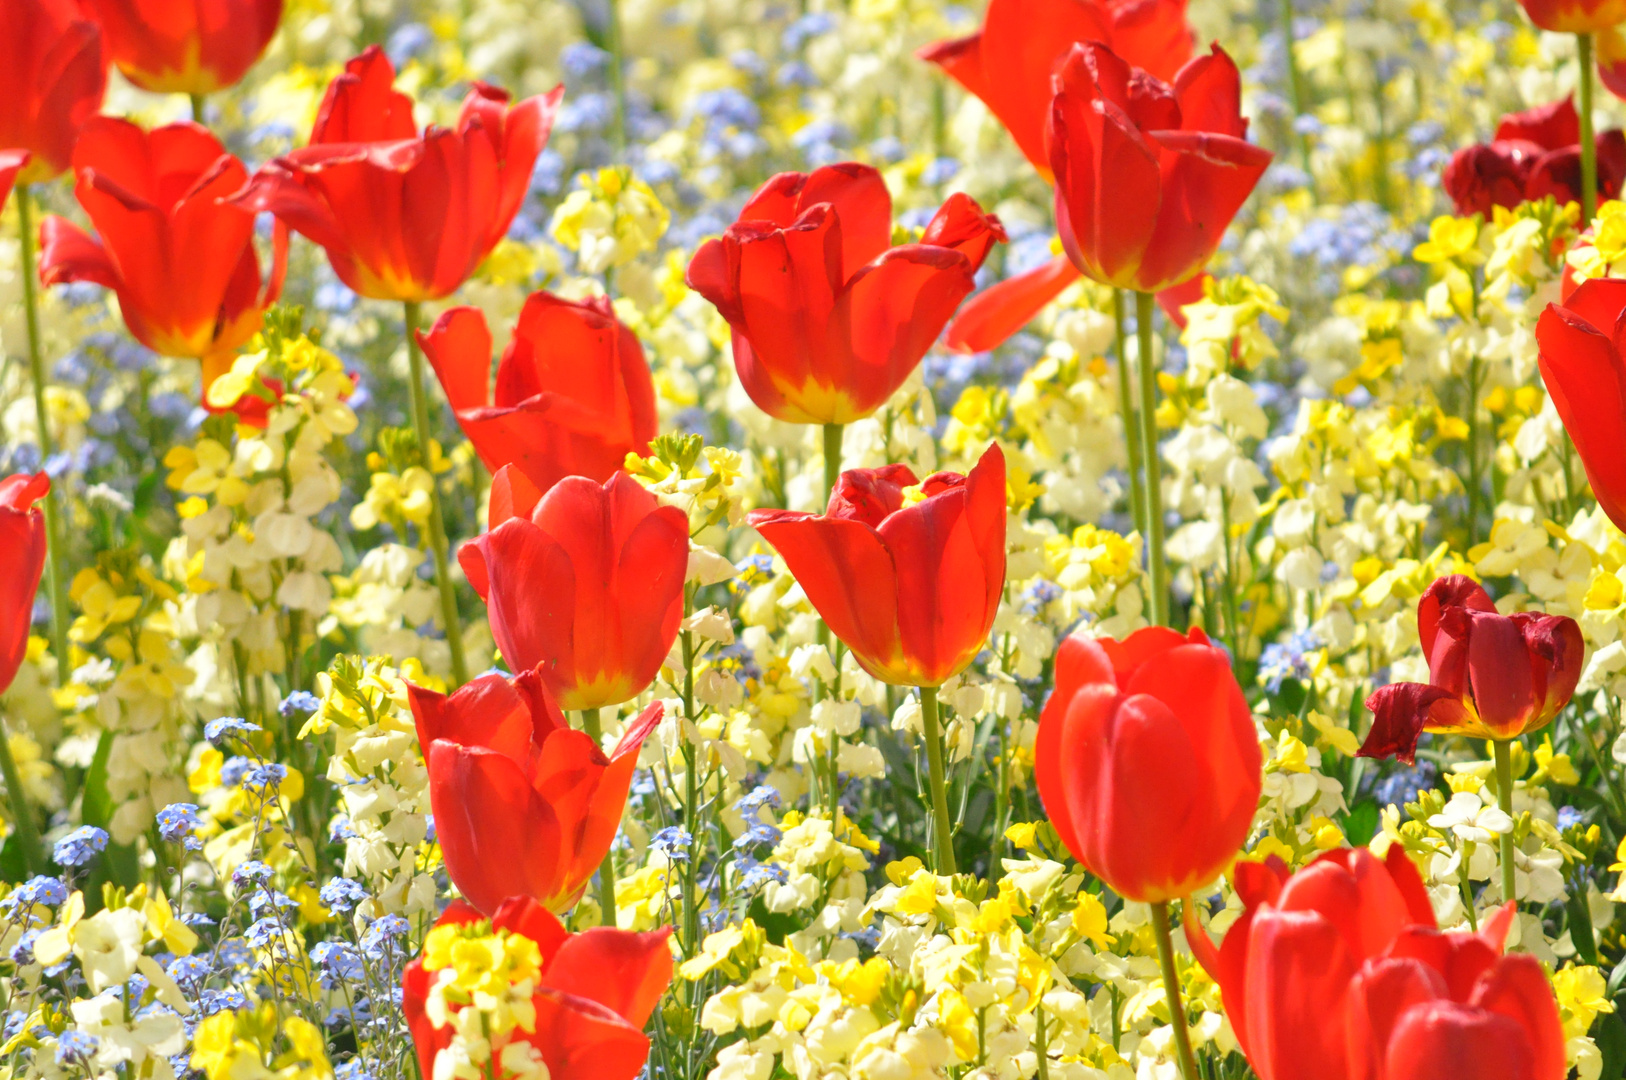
(1504, 799)
(606, 869)
(1171, 986)
(1295, 82)
(1158, 570)
(942, 834)
(1589, 147)
(197, 107)
(56, 582)
(1126, 412)
(28, 837)
(437, 524)
(618, 85)
(832, 475)
(832, 459)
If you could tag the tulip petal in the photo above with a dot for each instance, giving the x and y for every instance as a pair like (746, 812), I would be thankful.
(1205, 180)
(1551, 126)
(582, 1040)
(67, 254)
(993, 315)
(1518, 989)
(624, 972)
(856, 195)
(1582, 370)
(1442, 1038)
(1379, 995)
(1450, 591)
(482, 712)
(1023, 43)
(531, 625)
(1080, 663)
(1296, 977)
(512, 495)
(458, 347)
(1400, 711)
(1209, 90)
(498, 838)
(1499, 667)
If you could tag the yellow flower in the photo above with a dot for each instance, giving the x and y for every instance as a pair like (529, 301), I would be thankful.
(1582, 994)
(1090, 921)
(1450, 239)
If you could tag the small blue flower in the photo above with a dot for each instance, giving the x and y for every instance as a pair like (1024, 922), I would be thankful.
(22, 954)
(339, 829)
(342, 894)
(265, 778)
(189, 971)
(262, 932)
(674, 842)
(339, 963)
(177, 822)
(75, 1047)
(234, 953)
(213, 1001)
(40, 889)
(762, 795)
(381, 937)
(300, 701)
(79, 846)
(223, 727)
(1569, 817)
(251, 871)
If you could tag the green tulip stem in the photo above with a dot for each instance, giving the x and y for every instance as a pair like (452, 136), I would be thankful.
(1126, 412)
(1171, 987)
(1504, 799)
(57, 583)
(437, 523)
(1157, 568)
(1589, 146)
(618, 75)
(197, 107)
(22, 814)
(942, 829)
(606, 869)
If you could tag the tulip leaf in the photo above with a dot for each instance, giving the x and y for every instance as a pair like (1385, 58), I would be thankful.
(1580, 920)
(119, 863)
(1361, 823)
(1610, 1035)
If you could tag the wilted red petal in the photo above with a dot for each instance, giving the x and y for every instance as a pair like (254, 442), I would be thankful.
(1399, 711)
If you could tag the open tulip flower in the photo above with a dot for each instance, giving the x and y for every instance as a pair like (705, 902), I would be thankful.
(1181, 148)
(589, 995)
(1339, 973)
(1534, 154)
(53, 72)
(405, 216)
(1490, 675)
(1581, 347)
(524, 806)
(910, 586)
(186, 46)
(828, 318)
(22, 562)
(573, 394)
(1008, 64)
(180, 257)
(583, 583)
(1147, 761)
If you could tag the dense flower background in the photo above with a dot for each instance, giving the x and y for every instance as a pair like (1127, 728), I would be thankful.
(762, 539)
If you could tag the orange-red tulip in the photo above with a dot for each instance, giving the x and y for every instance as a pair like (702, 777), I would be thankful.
(11, 163)
(1491, 676)
(405, 216)
(1535, 153)
(1147, 761)
(180, 258)
(584, 583)
(1010, 61)
(1339, 973)
(597, 990)
(22, 561)
(186, 46)
(913, 589)
(828, 318)
(523, 805)
(573, 395)
(1583, 364)
(53, 72)
(1575, 16)
(1148, 174)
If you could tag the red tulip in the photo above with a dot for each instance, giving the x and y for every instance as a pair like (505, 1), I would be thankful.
(584, 584)
(523, 805)
(912, 590)
(52, 75)
(573, 395)
(828, 318)
(11, 163)
(1147, 761)
(186, 46)
(1582, 367)
(1575, 16)
(597, 991)
(180, 258)
(1338, 973)
(1010, 61)
(22, 561)
(1535, 153)
(405, 216)
(1490, 676)
(1148, 175)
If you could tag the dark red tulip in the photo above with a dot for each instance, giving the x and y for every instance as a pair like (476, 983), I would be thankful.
(573, 395)
(911, 589)
(186, 46)
(1535, 153)
(1148, 174)
(405, 216)
(828, 318)
(179, 256)
(1339, 973)
(596, 992)
(22, 561)
(1010, 61)
(1582, 365)
(1147, 761)
(1490, 676)
(524, 806)
(584, 583)
(53, 71)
